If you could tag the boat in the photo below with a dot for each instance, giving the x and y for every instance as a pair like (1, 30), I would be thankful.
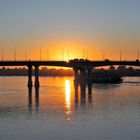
(106, 77)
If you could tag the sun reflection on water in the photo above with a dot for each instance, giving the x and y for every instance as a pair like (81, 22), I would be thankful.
(68, 98)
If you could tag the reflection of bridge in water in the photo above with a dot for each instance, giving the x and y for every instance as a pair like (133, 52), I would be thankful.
(82, 96)
(83, 66)
(30, 98)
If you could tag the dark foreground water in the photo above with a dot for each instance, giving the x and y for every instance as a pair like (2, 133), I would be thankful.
(56, 112)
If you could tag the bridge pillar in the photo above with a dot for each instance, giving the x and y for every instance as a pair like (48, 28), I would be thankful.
(89, 70)
(76, 76)
(30, 76)
(75, 72)
(83, 82)
(36, 84)
(83, 75)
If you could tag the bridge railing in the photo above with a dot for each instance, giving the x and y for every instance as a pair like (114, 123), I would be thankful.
(31, 59)
(106, 60)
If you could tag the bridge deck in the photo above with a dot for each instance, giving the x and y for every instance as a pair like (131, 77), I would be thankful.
(69, 64)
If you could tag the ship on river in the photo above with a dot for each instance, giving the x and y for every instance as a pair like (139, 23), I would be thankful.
(105, 77)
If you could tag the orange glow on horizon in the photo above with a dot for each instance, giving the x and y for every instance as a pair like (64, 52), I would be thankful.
(66, 50)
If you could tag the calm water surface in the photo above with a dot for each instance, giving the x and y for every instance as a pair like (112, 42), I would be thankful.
(58, 111)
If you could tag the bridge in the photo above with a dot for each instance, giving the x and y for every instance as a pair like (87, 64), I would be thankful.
(84, 66)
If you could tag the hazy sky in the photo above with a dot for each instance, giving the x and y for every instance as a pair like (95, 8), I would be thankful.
(75, 25)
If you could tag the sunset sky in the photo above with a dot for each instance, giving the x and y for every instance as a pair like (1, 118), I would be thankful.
(79, 27)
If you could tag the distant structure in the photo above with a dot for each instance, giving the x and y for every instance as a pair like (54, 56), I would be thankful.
(82, 66)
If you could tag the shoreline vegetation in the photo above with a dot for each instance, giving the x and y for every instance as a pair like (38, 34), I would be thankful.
(44, 71)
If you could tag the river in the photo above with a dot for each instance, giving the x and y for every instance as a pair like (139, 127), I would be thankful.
(59, 112)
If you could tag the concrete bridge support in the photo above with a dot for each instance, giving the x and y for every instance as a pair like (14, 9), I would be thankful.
(89, 71)
(75, 72)
(84, 78)
(36, 84)
(30, 76)
(76, 75)
(83, 75)
(82, 82)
